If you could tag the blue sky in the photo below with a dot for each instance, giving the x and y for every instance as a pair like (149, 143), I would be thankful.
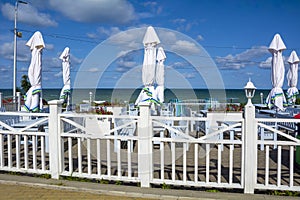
(234, 34)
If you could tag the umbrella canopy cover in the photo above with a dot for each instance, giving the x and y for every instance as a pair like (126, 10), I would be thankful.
(160, 74)
(33, 95)
(292, 77)
(150, 42)
(66, 90)
(276, 96)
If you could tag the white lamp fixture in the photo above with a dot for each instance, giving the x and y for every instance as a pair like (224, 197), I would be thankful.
(249, 90)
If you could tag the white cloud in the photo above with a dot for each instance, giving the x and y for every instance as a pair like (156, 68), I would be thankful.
(154, 7)
(59, 74)
(188, 75)
(103, 32)
(183, 25)
(178, 64)
(94, 69)
(199, 38)
(243, 59)
(185, 47)
(6, 51)
(127, 39)
(266, 63)
(28, 14)
(104, 11)
(179, 21)
(108, 31)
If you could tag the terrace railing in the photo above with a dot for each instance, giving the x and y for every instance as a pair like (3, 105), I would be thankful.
(221, 150)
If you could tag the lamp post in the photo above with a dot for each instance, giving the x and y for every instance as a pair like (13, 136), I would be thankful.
(16, 34)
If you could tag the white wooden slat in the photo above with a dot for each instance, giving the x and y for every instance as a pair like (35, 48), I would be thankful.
(17, 151)
(207, 162)
(231, 164)
(9, 151)
(43, 152)
(108, 158)
(70, 154)
(98, 157)
(89, 156)
(129, 158)
(279, 166)
(220, 149)
(184, 161)
(196, 162)
(119, 157)
(173, 161)
(267, 167)
(242, 155)
(26, 151)
(291, 166)
(79, 156)
(162, 161)
(34, 151)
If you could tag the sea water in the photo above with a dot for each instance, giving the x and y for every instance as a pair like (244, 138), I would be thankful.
(130, 95)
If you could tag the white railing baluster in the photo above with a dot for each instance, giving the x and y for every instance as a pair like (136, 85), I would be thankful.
(162, 161)
(230, 164)
(34, 151)
(119, 158)
(207, 162)
(173, 161)
(291, 166)
(267, 167)
(184, 161)
(70, 155)
(130, 142)
(43, 152)
(98, 157)
(220, 148)
(62, 150)
(17, 151)
(79, 156)
(9, 150)
(26, 151)
(108, 158)
(196, 162)
(279, 166)
(89, 155)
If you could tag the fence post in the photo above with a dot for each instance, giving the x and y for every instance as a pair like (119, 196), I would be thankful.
(250, 144)
(145, 145)
(55, 107)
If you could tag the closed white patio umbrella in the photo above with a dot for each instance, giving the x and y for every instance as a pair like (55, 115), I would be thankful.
(66, 90)
(276, 96)
(292, 77)
(160, 74)
(150, 42)
(33, 102)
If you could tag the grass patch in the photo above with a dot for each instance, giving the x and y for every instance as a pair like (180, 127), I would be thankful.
(165, 186)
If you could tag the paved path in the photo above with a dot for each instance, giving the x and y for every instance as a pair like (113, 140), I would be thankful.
(24, 187)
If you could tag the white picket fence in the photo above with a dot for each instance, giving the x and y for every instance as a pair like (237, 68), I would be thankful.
(221, 150)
